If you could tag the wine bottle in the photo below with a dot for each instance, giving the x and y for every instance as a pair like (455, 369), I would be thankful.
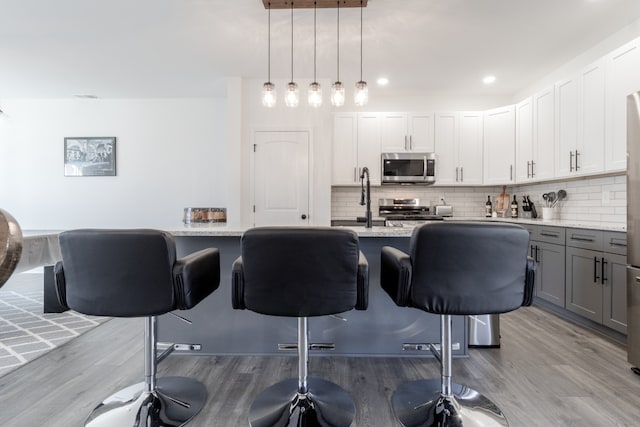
(488, 207)
(514, 207)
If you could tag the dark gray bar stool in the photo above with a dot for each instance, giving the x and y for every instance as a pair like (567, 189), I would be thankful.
(456, 268)
(11, 243)
(301, 272)
(135, 273)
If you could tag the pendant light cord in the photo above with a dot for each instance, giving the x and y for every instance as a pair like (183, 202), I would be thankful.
(338, 47)
(314, 41)
(360, 40)
(292, 41)
(269, 48)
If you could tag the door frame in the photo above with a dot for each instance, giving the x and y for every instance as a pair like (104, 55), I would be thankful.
(310, 175)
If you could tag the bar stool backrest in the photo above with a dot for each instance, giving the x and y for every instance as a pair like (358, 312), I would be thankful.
(300, 271)
(467, 268)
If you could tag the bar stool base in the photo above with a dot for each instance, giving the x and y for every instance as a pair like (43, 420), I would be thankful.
(419, 403)
(325, 405)
(174, 402)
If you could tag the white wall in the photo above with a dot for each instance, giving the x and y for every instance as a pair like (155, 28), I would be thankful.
(171, 154)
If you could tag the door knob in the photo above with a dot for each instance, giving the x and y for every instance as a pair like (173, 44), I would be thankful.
(304, 216)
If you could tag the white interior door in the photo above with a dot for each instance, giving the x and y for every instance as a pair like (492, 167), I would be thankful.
(281, 178)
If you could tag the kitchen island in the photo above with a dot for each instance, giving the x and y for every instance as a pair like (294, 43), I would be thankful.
(381, 330)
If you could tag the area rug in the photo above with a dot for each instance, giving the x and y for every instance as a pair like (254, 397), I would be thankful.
(27, 333)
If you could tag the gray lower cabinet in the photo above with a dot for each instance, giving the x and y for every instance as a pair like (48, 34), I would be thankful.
(595, 279)
(550, 271)
(547, 248)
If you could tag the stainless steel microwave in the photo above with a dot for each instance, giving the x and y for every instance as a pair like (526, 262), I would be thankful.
(408, 168)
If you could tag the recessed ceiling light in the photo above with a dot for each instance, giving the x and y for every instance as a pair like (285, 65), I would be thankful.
(383, 81)
(86, 96)
(489, 79)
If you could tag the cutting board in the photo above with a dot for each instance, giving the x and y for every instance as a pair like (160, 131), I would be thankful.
(502, 201)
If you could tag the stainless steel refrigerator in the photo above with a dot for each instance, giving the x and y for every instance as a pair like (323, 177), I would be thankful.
(633, 229)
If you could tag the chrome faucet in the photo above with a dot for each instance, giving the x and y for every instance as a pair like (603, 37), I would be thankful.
(366, 195)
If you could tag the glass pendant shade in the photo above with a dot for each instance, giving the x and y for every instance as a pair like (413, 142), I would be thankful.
(337, 94)
(269, 95)
(291, 98)
(315, 95)
(361, 96)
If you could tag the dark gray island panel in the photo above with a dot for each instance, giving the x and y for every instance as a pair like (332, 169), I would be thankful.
(381, 330)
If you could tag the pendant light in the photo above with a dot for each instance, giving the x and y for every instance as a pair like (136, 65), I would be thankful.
(362, 92)
(337, 89)
(291, 97)
(269, 89)
(315, 91)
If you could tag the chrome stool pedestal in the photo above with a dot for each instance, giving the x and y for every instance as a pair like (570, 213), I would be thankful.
(308, 402)
(164, 402)
(441, 403)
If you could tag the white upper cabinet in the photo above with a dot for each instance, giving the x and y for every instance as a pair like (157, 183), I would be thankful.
(447, 167)
(499, 145)
(566, 127)
(356, 144)
(459, 148)
(580, 123)
(405, 132)
(524, 139)
(623, 78)
(542, 163)
(590, 154)
(471, 147)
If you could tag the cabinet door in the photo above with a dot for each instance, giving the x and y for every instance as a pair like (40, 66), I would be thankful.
(614, 287)
(345, 149)
(591, 132)
(421, 132)
(470, 147)
(543, 135)
(584, 291)
(623, 78)
(550, 275)
(369, 153)
(499, 145)
(394, 136)
(566, 127)
(446, 139)
(524, 139)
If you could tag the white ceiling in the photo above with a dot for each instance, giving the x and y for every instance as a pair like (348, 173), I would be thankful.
(176, 48)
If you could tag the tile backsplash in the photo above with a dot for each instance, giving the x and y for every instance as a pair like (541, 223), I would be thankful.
(597, 199)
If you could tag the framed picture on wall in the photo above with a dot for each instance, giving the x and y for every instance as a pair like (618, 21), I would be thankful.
(90, 156)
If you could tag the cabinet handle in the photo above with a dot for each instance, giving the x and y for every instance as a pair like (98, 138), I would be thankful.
(410, 142)
(528, 164)
(456, 174)
(532, 256)
(355, 174)
(537, 258)
(510, 172)
(577, 154)
(542, 233)
(570, 161)
(532, 164)
(595, 269)
(405, 143)
(581, 239)
(621, 245)
(603, 279)
(461, 174)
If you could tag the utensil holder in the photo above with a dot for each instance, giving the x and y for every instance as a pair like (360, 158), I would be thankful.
(548, 214)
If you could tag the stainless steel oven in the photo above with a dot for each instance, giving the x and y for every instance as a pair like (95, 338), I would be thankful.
(400, 212)
(408, 168)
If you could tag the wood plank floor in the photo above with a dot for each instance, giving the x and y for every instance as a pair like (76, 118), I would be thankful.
(549, 372)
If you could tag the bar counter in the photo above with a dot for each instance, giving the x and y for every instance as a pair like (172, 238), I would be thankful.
(381, 330)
